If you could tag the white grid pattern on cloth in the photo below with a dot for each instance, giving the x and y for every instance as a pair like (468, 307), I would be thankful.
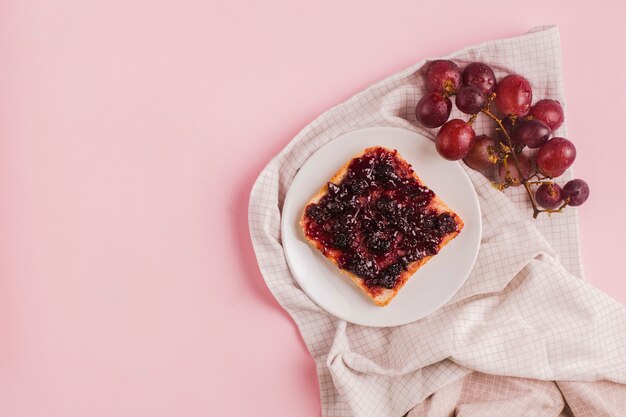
(522, 312)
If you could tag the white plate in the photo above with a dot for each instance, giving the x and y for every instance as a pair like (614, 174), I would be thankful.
(433, 284)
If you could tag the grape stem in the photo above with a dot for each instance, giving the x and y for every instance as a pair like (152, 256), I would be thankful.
(557, 210)
(523, 181)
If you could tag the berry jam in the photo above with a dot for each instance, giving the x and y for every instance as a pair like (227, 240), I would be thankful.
(377, 221)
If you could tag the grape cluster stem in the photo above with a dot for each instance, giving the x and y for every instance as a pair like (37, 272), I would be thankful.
(524, 181)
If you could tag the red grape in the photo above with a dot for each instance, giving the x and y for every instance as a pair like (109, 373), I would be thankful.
(513, 95)
(443, 76)
(555, 156)
(470, 100)
(549, 196)
(483, 154)
(455, 139)
(433, 109)
(532, 133)
(550, 112)
(480, 76)
(576, 192)
(513, 173)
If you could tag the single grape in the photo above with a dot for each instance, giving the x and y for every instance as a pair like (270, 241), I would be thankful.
(550, 112)
(549, 196)
(513, 95)
(455, 139)
(480, 76)
(484, 153)
(470, 100)
(433, 109)
(513, 174)
(533, 133)
(555, 156)
(443, 76)
(576, 192)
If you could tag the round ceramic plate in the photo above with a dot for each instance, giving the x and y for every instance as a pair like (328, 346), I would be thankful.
(434, 283)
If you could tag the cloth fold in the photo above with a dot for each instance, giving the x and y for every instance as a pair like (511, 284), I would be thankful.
(523, 319)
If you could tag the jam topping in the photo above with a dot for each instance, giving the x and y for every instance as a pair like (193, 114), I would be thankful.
(377, 221)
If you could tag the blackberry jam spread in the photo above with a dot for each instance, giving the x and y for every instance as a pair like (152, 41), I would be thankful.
(377, 220)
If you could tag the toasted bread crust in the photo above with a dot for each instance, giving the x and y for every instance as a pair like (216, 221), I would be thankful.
(380, 296)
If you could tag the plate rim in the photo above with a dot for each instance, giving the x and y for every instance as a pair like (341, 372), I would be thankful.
(284, 226)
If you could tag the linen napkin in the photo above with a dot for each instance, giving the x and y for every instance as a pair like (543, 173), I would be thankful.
(523, 319)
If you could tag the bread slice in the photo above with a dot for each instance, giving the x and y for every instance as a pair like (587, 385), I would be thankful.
(380, 295)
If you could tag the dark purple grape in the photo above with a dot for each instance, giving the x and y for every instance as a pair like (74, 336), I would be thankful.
(470, 100)
(549, 196)
(550, 112)
(513, 173)
(555, 156)
(443, 76)
(433, 109)
(576, 192)
(455, 139)
(533, 133)
(484, 153)
(480, 76)
(513, 95)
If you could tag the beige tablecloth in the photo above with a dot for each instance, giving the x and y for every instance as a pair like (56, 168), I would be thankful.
(525, 316)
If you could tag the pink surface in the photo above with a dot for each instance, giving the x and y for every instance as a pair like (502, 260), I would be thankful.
(130, 135)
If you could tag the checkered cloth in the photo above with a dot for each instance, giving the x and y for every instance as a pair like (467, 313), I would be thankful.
(524, 318)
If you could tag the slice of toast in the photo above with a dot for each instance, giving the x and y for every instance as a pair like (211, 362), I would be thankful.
(376, 233)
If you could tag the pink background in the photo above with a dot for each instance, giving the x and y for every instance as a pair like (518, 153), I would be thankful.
(131, 132)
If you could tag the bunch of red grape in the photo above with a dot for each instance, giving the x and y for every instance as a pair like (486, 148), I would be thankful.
(523, 152)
